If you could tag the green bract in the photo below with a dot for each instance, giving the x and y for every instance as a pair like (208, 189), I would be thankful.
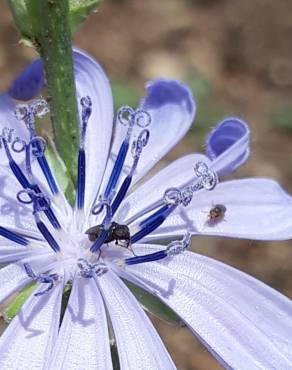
(15, 305)
(154, 305)
(78, 12)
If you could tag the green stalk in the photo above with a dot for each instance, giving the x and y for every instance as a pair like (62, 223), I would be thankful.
(53, 39)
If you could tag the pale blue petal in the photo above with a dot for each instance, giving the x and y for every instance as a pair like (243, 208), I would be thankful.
(243, 322)
(256, 208)
(14, 215)
(13, 252)
(139, 345)
(172, 110)
(83, 341)
(14, 277)
(28, 341)
(91, 81)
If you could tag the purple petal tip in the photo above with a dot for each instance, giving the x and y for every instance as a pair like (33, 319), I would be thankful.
(161, 92)
(28, 83)
(224, 135)
(230, 136)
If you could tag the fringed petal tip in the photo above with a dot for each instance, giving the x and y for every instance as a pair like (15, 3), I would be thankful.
(161, 92)
(28, 83)
(230, 138)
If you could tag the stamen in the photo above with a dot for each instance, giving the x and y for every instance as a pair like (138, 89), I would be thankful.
(137, 148)
(10, 235)
(173, 197)
(81, 179)
(156, 214)
(23, 113)
(153, 222)
(156, 256)
(177, 247)
(99, 208)
(41, 203)
(50, 279)
(28, 164)
(126, 116)
(18, 146)
(173, 249)
(208, 178)
(48, 174)
(46, 234)
(106, 225)
(86, 112)
(88, 270)
(39, 146)
(7, 134)
(121, 194)
(210, 182)
(27, 113)
(44, 202)
(86, 104)
(15, 168)
(40, 107)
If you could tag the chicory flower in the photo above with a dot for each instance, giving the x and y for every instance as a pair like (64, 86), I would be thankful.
(105, 237)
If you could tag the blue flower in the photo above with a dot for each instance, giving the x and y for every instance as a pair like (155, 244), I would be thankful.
(105, 237)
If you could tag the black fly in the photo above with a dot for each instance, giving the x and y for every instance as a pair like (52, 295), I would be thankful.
(116, 232)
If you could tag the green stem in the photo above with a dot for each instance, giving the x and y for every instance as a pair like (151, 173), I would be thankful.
(53, 38)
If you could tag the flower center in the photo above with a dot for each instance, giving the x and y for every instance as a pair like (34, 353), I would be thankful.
(90, 253)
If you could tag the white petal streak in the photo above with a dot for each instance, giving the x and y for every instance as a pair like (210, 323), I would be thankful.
(256, 208)
(83, 342)
(28, 341)
(238, 318)
(14, 253)
(139, 345)
(91, 81)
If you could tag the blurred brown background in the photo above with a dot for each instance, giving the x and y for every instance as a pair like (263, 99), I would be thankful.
(237, 57)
